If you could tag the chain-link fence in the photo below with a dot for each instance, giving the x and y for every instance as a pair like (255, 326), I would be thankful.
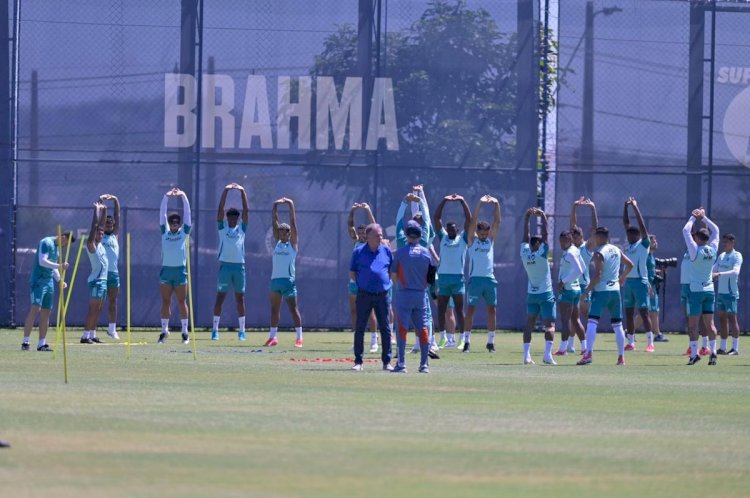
(338, 102)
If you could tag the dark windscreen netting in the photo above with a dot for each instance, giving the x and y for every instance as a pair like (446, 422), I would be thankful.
(329, 104)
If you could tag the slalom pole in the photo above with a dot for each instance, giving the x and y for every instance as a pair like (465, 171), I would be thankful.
(60, 305)
(127, 288)
(64, 309)
(190, 293)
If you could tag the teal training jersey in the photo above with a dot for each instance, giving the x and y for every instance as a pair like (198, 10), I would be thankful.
(651, 268)
(571, 263)
(452, 253)
(232, 243)
(284, 256)
(610, 277)
(638, 254)
(701, 268)
(173, 246)
(729, 261)
(536, 265)
(482, 258)
(113, 251)
(586, 256)
(685, 269)
(46, 246)
(99, 263)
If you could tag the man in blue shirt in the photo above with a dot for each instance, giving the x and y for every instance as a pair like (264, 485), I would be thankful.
(413, 269)
(370, 268)
(231, 259)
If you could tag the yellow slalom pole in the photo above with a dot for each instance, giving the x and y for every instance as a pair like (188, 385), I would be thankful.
(190, 294)
(64, 309)
(60, 305)
(127, 287)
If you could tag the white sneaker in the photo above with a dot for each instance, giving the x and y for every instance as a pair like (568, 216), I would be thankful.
(113, 335)
(549, 361)
(358, 367)
(374, 347)
(528, 361)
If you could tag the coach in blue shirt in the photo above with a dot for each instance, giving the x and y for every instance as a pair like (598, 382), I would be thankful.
(371, 265)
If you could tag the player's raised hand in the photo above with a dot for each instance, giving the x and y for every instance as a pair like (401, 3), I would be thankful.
(410, 197)
(418, 188)
(364, 205)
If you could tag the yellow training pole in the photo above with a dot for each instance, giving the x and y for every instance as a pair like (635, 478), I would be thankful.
(60, 305)
(127, 287)
(190, 293)
(67, 299)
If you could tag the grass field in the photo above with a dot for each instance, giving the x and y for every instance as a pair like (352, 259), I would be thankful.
(242, 423)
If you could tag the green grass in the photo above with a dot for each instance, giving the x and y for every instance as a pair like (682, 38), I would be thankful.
(238, 423)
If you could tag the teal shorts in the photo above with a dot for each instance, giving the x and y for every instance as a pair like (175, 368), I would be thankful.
(231, 275)
(113, 280)
(700, 303)
(449, 285)
(610, 300)
(653, 303)
(727, 303)
(635, 293)
(482, 288)
(353, 288)
(684, 294)
(284, 286)
(42, 292)
(543, 304)
(173, 276)
(98, 289)
(570, 296)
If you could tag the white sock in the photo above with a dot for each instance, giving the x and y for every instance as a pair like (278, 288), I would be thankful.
(650, 338)
(241, 321)
(165, 325)
(704, 340)
(736, 344)
(547, 349)
(526, 350)
(216, 322)
(42, 342)
(693, 348)
(25, 340)
(443, 335)
(491, 337)
(591, 334)
(563, 345)
(274, 331)
(111, 328)
(631, 339)
(467, 336)
(583, 345)
(92, 333)
(85, 334)
(619, 338)
(184, 323)
(724, 344)
(373, 338)
(712, 346)
(298, 331)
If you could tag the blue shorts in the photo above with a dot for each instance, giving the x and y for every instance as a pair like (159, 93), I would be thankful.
(450, 284)
(684, 294)
(231, 275)
(727, 303)
(113, 280)
(173, 276)
(284, 286)
(543, 303)
(42, 292)
(98, 289)
(653, 303)
(635, 293)
(609, 300)
(482, 288)
(700, 303)
(570, 296)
